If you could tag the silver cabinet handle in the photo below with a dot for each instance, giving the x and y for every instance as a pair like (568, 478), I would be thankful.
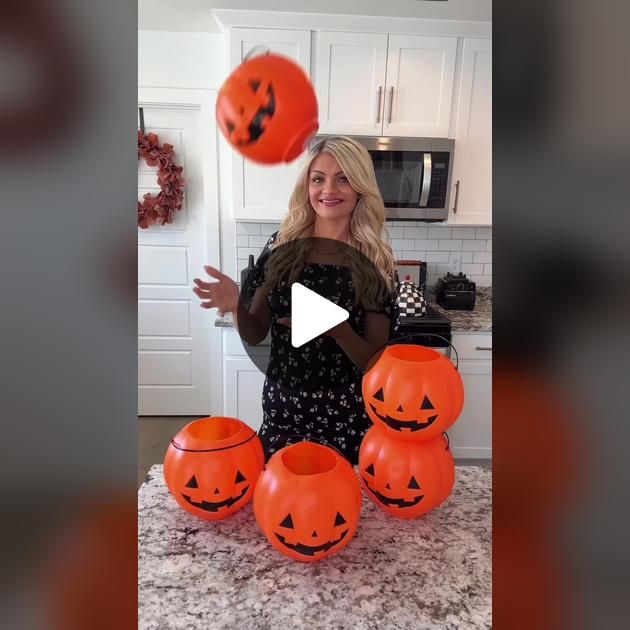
(426, 180)
(483, 348)
(391, 103)
(456, 196)
(378, 107)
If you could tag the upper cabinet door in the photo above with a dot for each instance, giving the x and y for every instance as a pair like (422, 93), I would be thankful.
(261, 192)
(350, 82)
(420, 77)
(471, 197)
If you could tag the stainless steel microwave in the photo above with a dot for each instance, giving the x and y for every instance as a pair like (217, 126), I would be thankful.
(413, 175)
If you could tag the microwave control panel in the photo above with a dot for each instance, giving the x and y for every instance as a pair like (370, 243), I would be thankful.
(439, 179)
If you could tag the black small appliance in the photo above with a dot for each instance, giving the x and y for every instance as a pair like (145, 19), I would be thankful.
(456, 292)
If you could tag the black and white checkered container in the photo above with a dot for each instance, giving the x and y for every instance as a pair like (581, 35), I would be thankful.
(411, 302)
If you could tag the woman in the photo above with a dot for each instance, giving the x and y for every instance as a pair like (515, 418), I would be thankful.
(334, 225)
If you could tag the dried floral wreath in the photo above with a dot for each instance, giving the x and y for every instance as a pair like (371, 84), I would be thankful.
(160, 208)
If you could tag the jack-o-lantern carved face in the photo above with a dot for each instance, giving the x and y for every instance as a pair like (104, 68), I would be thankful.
(307, 501)
(267, 109)
(241, 487)
(405, 479)
(413, 392)
(245, 117)
(212, 465)
(287, 526)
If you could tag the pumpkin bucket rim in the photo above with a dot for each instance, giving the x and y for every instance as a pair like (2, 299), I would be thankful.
(212, 433)
(326, 460)
(412, 353)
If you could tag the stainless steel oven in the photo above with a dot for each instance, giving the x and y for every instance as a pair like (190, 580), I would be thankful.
(413, 175)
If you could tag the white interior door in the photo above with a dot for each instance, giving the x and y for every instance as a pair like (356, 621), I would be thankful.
(173, 334)
(420, 78)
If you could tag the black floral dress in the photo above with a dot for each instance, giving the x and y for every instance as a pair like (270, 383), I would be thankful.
(314, 391)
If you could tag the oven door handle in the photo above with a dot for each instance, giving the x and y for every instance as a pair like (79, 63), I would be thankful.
(426, 180)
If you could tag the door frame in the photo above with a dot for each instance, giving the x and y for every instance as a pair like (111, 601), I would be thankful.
(203, 101)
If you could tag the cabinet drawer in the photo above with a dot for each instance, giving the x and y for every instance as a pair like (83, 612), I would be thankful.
(233, 346)
(473, 346)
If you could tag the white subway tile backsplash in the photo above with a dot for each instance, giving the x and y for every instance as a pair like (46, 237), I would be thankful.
(415, 232)
(463, 232)
(248, 228)
(409, 240)
(426, 245)
(450, 245)
(471, 268)
(396, 232)
(267, 229)
(439, 232)
(435, 257)
(483, 232)
(482, 257)
(482, 281)
(473, 246)
(258, 241)
(245, 252)
(414, 254)
(402, 243)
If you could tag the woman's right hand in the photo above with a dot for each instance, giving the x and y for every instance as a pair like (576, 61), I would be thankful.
(222, 295)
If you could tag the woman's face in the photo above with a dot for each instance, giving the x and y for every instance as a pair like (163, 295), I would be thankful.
(329, 190)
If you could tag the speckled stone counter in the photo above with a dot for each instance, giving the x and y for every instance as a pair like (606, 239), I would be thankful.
(429, 573)
(477, 320)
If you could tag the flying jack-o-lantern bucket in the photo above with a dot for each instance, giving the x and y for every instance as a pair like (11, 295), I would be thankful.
(405, 479)
(267, 109)
(413, 392)
(307, 501)
(212, 465)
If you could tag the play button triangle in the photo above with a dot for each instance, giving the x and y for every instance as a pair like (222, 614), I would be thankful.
(312, 315)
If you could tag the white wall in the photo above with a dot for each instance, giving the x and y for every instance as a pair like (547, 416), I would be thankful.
(181, 59)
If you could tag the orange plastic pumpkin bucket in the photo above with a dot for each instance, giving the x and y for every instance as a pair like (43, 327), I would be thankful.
(212, 465)
(267, 109)
(413, 392)
(307, 501)
(405, 479)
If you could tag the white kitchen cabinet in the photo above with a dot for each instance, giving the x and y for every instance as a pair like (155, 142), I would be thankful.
(261, 192)
(243, 384)
(471, 435)
(471, 196)
(380, 84)
(350, 82)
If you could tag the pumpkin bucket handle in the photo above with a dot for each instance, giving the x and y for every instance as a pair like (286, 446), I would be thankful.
(448, 440)
(410, 336)
(255, 51)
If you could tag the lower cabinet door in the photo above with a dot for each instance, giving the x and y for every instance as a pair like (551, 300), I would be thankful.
(471, 435)
(242, 390)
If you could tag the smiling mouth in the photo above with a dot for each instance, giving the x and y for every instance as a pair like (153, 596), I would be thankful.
(210, 506)
(401, 503)
(308, 550)
(330, 202)
(400, 425)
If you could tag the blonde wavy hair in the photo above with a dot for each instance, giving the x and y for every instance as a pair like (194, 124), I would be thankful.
(367, 225)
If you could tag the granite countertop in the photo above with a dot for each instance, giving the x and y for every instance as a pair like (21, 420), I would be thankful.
(432, 573)
(477, 320)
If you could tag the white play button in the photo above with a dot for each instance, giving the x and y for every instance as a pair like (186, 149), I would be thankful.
(312, 315)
